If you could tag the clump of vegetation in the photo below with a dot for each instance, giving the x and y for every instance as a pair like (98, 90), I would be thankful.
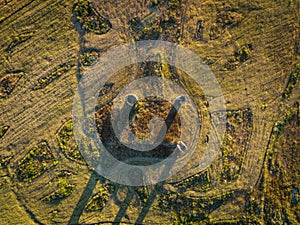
(187, 209)
(293, 80)
(89, 57)
(237, 136)
(36, 162)
(67, 143)
(99, 200)
(241, 55)
(65, 189)
(136, 24)
(297, 46)
(208, 61)
(152, 27)
(200, 181)
(264, 106)
(55, 74)
(281, 172)
(142, 193)
(231, 64)
(174, 3)
(200, 30)
(244, 53)
(144, 110)
(2, 19)
(279, 125)
(141, 114)
(3, 130)
(150, 33)
(215, 31)
(5, 160)
(90, 19)
(155, 3)
(227, 18)
(8, 83)
(19, 39)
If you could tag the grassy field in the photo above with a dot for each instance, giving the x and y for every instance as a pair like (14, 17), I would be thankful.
(253, 49)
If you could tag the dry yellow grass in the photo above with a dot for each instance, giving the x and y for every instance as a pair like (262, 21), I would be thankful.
(252, 48)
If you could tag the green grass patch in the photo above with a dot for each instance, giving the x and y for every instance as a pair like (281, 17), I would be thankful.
(38, 160)
(65, 189)
(99, 200)
(67, 143)
(52, 76)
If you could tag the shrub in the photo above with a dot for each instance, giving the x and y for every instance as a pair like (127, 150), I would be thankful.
(243, 54)
(3, 130)
(88, 58)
